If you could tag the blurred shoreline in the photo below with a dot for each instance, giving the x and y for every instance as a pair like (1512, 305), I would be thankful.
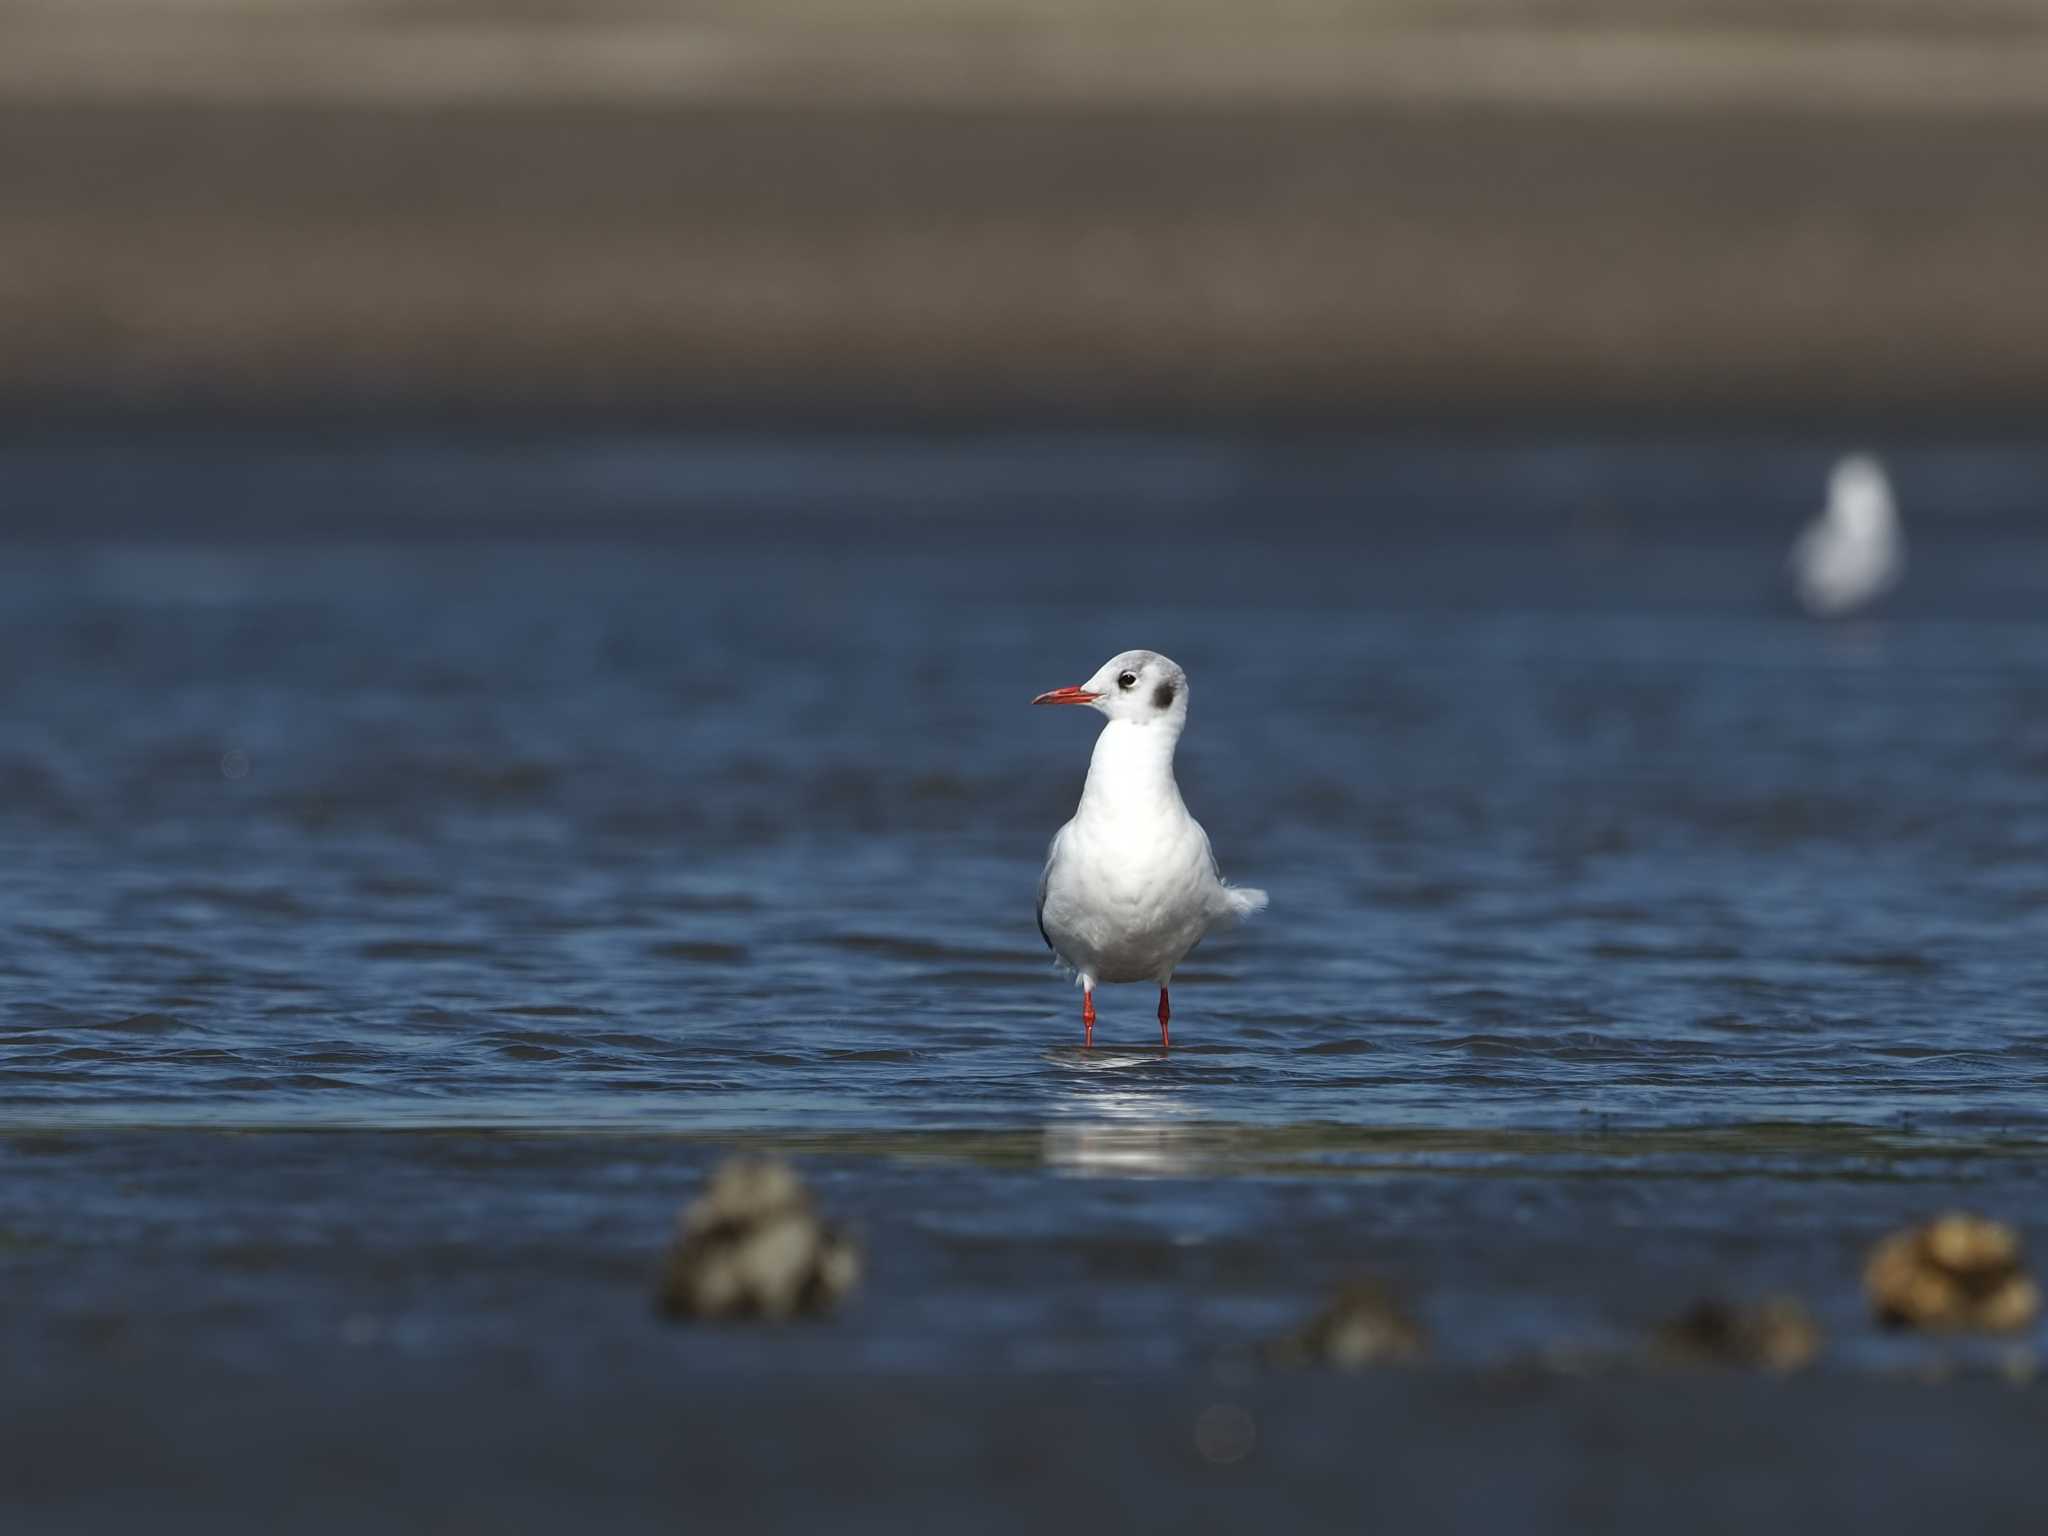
(778, 216)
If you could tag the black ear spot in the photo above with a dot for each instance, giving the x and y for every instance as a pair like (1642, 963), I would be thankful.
(1162, 696)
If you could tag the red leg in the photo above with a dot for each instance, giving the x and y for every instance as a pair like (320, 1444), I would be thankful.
(1087, 1016)
(1165, 1013)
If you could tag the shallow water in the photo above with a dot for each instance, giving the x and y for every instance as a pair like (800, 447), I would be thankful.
(1631, 936)
(1563, 816)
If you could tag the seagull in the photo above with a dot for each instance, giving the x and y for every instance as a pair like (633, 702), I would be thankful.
(1130, 885)
(1853, 552)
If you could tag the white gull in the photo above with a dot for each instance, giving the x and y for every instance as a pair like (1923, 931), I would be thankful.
(1130, 885)
(1853, 552)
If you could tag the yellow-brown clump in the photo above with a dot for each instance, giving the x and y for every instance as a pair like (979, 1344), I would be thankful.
(1364, 1325)
(1957, 1271)
(1777, 1334)
(752, 1246)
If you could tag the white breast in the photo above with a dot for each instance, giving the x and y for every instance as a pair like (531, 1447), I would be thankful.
(1125, 900)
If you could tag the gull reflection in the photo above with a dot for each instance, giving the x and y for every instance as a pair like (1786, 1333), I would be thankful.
(1121, 1149)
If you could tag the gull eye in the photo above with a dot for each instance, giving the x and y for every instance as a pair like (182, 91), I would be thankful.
(1128, 680)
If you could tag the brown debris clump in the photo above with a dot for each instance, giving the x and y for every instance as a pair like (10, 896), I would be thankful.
(752, 1246)
(1777, 1334)
(1364, 1325)
(1956, 1272)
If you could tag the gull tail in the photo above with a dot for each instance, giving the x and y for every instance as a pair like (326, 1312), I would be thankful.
(1243, 901)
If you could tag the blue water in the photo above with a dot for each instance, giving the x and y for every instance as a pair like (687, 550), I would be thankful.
(422, 856)
(729, 816)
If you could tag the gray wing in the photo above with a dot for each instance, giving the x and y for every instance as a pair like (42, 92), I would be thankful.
(1236, 902)
(1208, 852)
(1052, 855)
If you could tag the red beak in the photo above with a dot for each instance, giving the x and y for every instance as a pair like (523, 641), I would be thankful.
(1067, 696)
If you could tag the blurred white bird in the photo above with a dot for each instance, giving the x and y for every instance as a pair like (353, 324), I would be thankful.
(1853, 552)
(1130, 885)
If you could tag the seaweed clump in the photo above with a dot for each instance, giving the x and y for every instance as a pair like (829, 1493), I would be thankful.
(1777, 1334)
(1363, 1325)
(1954, 1273)
(752, 1245)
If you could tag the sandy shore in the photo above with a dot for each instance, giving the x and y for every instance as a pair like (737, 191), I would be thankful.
(754, 216)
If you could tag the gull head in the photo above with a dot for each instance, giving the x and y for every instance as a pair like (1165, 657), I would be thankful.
(1860, 498)
(1141, 687)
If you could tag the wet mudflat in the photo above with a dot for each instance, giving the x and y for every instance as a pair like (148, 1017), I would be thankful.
(335, 1327)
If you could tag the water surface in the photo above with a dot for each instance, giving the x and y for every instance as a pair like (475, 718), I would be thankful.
(420, 856)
